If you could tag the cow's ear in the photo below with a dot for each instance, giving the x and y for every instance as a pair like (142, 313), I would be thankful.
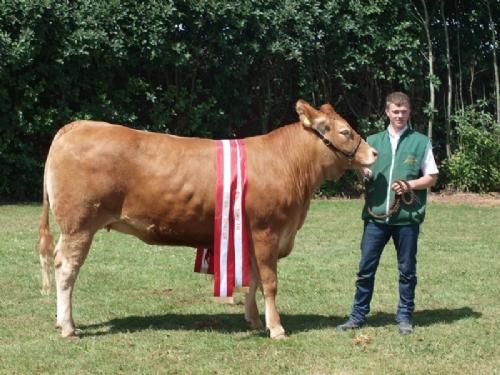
(304, 111)
(311, 118)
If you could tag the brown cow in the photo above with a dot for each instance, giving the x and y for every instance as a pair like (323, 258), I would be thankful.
(160, 188)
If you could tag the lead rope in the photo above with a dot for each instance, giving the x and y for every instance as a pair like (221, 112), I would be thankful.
(408, 198)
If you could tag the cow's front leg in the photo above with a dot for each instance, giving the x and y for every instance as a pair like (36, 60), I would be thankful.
(267, 262)
(251, 310)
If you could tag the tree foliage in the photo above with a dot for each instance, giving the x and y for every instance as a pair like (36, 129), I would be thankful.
(214, 68)
(474, 164)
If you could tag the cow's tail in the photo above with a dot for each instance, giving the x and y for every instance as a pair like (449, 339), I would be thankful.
(45, 245)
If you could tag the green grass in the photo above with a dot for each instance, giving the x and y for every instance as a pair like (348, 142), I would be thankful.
(142, 310)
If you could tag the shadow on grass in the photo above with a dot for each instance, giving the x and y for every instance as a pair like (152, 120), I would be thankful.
(230, 323)
(424, 318)
(226, 323)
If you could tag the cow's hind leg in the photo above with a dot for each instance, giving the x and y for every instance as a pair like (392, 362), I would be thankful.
(71, 251)
(251, 310)
(46, 261)
(267, 262)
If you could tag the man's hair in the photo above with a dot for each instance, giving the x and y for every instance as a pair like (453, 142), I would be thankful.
(398, 98)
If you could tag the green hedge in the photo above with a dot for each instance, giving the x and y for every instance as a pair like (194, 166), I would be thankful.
(211, 68)
(475, 164)
(208, 68)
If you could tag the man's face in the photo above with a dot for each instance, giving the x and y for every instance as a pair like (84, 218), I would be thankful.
(398, 115)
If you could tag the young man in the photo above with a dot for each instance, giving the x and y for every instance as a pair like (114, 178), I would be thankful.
(403, 154)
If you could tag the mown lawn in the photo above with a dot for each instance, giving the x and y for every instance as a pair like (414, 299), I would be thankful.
(141, 309)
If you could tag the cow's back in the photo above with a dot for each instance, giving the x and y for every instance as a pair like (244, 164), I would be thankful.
(155, 186)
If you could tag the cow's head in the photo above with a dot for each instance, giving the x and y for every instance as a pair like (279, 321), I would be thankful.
(346, 148)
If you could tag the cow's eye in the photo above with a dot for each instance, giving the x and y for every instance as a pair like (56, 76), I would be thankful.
(345, 132)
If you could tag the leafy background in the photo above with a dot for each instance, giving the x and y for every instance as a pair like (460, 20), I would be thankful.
(222, 69)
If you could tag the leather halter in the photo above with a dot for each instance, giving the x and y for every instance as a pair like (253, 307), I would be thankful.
(331, 146)
(408, 198)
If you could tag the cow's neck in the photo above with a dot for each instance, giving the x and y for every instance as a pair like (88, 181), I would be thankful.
(308, 161)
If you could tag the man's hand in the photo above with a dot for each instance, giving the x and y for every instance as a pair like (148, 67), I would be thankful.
(400, 189)
(421, 183)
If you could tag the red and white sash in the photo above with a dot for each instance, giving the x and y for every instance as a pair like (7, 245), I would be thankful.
(228, 260)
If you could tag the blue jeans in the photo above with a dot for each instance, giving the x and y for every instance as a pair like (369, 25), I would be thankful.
(375, 237)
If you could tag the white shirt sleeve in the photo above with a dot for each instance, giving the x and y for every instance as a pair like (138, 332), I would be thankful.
(428, 164)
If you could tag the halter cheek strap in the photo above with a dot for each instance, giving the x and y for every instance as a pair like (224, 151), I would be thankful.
(331, 146)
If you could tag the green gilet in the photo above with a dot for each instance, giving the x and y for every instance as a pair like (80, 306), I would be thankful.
(404, 165)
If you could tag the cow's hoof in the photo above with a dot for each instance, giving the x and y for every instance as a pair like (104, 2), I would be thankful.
(277, 333)
(255, 324)
(69, 334)
(282, 336)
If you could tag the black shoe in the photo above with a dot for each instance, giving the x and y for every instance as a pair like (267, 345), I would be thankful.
(349, 325)
(405, 328)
